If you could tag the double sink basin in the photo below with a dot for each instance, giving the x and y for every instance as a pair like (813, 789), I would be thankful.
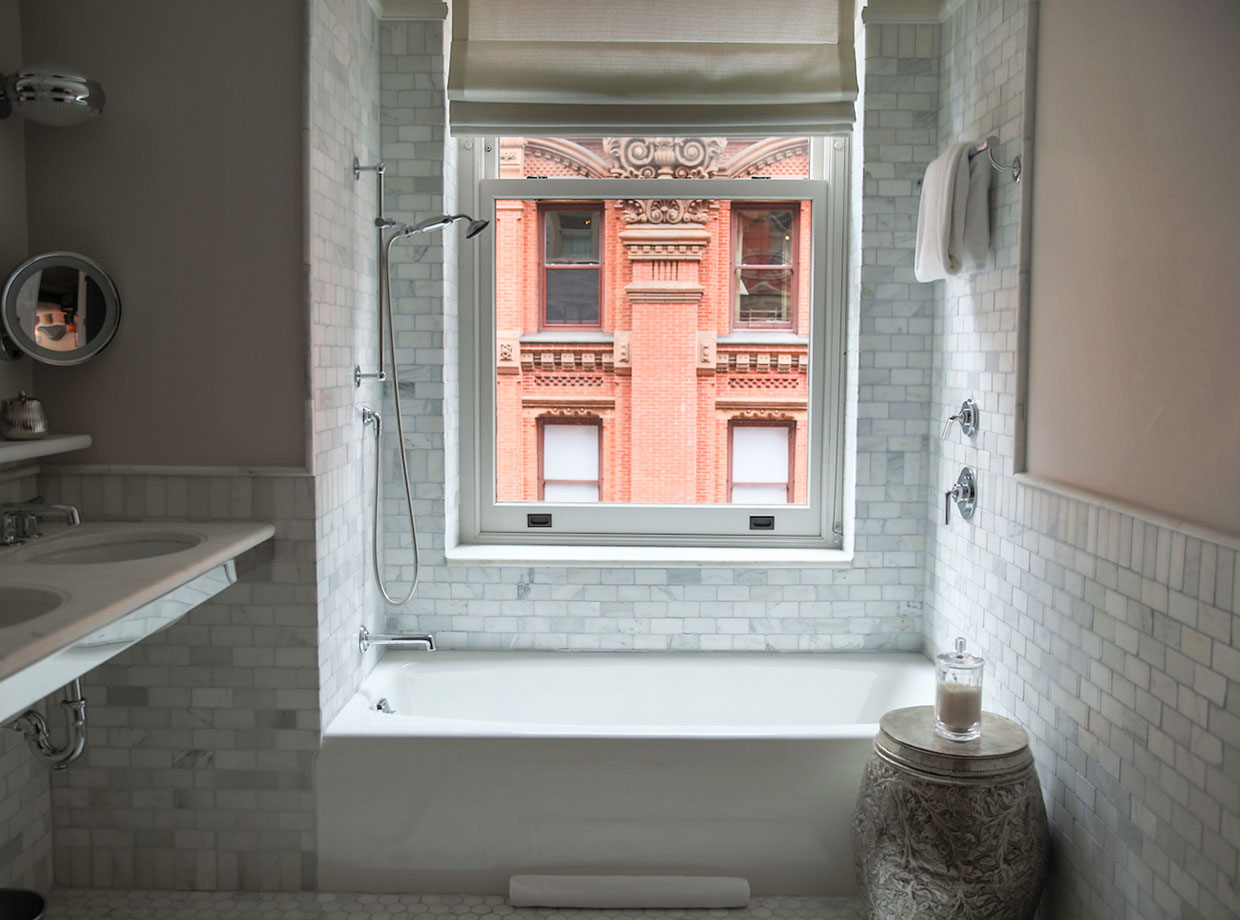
(70, 600)
(18, 603)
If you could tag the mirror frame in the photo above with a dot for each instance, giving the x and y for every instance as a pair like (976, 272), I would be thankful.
(17, 336)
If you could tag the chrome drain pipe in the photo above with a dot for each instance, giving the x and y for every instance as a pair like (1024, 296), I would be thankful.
(39, 738)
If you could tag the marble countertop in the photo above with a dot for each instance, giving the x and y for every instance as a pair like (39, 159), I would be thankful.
(97, 594)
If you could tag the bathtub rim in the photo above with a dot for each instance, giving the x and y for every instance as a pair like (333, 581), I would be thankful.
(358, 720)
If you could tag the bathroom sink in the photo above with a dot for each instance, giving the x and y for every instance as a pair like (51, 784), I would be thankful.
(87, 549)
(19, 604)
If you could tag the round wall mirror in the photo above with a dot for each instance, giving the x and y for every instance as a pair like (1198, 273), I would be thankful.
(60, 308)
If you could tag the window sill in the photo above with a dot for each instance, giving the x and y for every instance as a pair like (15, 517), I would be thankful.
(567, 338)
(757, 337)
(646, 556)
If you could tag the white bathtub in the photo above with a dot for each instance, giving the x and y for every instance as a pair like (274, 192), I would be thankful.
(500, 763)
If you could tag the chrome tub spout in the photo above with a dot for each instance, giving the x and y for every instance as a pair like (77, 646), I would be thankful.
(365, 640)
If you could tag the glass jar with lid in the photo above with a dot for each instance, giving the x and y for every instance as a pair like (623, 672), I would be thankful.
(958, 694)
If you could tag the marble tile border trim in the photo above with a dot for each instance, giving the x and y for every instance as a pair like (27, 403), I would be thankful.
(143, 470)
(1146, 515)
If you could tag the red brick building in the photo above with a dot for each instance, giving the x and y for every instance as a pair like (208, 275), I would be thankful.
(652, 350)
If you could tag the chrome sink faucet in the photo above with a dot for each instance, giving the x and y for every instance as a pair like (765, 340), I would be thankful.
(19, 521)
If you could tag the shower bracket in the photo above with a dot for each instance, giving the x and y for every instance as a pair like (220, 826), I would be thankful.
(358, 376)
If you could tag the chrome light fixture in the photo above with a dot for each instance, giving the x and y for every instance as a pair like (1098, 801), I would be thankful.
(54, 96)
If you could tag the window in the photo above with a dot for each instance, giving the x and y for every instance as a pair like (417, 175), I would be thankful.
(761, 463)
(649, 290)
(569, 461)
(764, 266)
(571, 267)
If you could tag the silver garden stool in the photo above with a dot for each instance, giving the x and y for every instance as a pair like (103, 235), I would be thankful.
(950, 829)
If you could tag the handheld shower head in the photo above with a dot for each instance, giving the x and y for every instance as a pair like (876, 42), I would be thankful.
(439, 222)
(432, 223)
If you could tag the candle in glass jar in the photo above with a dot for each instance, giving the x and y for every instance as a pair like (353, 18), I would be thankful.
(958, 706)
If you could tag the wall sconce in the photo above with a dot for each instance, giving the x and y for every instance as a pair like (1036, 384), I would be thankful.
(53, 96)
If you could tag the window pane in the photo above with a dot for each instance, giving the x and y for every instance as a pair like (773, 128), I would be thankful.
(644, 339)
(759, 495)
(764, 295)
(570, 452)
(570, 492)
(571, 297)
(759, 454)
(572, 237)
(765, 237)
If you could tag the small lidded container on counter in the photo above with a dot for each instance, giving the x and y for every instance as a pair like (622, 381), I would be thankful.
(958, 694)
(22, 418)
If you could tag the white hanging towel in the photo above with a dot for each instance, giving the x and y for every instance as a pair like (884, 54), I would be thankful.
(953, 222)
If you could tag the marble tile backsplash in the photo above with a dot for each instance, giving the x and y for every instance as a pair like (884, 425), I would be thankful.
(874, 603)
(344, 329)
(1112, 637)
(199, 768)
(25, 785)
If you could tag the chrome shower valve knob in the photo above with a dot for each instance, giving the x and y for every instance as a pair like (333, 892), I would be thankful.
(964, 494)
(967, 417)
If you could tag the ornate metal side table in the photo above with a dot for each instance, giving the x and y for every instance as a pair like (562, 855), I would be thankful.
(947, 829)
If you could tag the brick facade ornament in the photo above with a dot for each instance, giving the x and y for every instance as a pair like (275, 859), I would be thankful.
(507, 356)
(665, 210)
(665, 242)
(622, 352)
(665, 157)
(707, 353)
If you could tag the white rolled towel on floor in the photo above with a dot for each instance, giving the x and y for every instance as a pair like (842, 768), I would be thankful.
(627, 891)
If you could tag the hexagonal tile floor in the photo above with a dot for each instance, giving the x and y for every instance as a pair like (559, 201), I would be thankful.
(107, 904)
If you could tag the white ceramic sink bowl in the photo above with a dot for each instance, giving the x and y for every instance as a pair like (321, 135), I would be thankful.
(19, 603)
(96, 548)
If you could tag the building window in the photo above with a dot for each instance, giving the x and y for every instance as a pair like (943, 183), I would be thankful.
(569, 454)
(571, 267)
(653, 347)
(764, 266)
(761, 463)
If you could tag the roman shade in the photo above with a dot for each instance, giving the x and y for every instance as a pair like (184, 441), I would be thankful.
(606, 67)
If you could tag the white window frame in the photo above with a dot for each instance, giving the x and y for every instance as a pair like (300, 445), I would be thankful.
(818, 525)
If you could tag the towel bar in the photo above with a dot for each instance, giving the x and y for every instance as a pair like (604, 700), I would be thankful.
(988, 146)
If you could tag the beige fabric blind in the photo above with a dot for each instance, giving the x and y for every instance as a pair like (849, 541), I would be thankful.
(640, 66)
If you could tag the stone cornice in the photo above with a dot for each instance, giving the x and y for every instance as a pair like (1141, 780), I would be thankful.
(665, 242)
(664, 291)
(904, 11)
(410, 10)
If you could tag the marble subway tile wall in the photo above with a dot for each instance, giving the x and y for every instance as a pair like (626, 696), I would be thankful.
(25, 817)
(199, 767)
(415, 145)
(1111, 636)
(874, 603)
(343, 123)
(25, 785)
